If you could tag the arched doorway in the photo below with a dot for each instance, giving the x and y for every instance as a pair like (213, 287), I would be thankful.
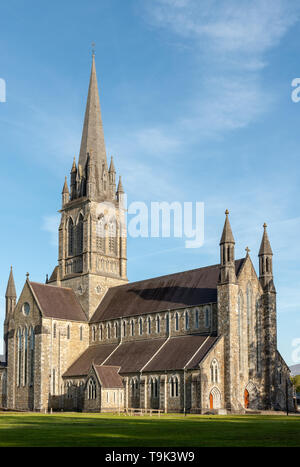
(251, 397)
(215, 399)
(246, 399)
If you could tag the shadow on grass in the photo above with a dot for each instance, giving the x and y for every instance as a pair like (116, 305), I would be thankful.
(89, 430)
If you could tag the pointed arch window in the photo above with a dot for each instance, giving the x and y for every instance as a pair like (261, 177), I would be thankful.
(80, 235)
(19, 362)
(124, 329)
(207, 317)
(112, 236)
(158, 324)
(187, 320)
(100, 230)
(25, 356)
(108, 331)
(197, 318)
(258, 336)
(240, 330)
(249, 324)
(140, 327)
(176, 322)
(132, 328)
(31, 349)
(174, 386)
(101, 332)
(214, 371)
(92, 393)
(149, 325)
(167, 323)
(154, 388)
(70, 237)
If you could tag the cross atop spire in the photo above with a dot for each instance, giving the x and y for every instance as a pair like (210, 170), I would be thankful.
(92, 135)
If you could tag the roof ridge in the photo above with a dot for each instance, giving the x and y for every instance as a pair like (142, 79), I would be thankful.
(173, 274)
(52, 286)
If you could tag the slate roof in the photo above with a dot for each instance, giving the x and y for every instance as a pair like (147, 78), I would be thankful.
(96, 354)
(109, 376)
(132, 356)
(58, 302)
(148, 355)
(181, 352)
(189, 288)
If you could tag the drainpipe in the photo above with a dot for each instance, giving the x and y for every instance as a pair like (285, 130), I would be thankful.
(184, 395)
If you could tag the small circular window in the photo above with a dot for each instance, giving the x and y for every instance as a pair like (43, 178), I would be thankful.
(26, 309)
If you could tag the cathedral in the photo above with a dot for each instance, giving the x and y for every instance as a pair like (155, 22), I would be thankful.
(199, 341)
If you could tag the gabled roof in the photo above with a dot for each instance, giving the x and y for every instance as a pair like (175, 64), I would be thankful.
(181, 352)
(58, 302)
(96, 354)
(175, 291)
(134, 355)
(109, 377)
(147, 355)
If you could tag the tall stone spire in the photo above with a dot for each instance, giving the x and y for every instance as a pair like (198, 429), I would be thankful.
(92, 135)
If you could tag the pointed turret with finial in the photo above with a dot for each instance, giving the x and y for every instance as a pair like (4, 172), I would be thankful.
(227, 253)
(265, 260)
(65, 193)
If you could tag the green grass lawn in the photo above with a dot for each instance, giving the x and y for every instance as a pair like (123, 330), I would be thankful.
(74, 429)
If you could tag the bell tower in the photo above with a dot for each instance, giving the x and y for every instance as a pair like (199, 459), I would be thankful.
(92, 232)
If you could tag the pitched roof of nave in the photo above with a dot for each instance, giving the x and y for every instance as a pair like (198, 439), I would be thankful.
(58, 302)
(96, 354)
(109, 376)
(174, 291)
(147, 355)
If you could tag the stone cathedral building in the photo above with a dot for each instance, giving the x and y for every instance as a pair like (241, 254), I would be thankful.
(196, 341)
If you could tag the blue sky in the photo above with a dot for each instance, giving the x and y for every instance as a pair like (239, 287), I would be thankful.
(196, 104)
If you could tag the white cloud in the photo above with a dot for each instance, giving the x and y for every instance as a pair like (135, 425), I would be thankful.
(251, 26)
(231, 38)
